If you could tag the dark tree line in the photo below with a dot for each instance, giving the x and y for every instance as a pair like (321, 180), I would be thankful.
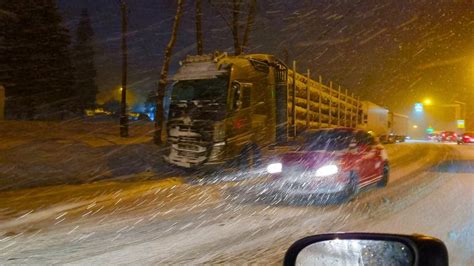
(36, 61)
(83, 58)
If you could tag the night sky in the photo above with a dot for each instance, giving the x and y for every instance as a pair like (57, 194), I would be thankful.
(391, 52)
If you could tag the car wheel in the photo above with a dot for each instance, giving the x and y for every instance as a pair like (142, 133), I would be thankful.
(350, 191)
(386, 172)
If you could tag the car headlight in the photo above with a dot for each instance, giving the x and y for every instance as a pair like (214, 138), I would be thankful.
(274, 168)
(327, 170)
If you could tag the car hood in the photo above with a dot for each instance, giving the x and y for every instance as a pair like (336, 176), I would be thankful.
(310, 159)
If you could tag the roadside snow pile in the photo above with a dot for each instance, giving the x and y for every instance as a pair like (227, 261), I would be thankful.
(49, 153)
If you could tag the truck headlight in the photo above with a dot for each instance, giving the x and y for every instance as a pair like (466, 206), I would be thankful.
(327, 170)
(274, 168)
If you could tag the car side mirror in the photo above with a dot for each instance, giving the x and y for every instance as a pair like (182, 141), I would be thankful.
(367, 249)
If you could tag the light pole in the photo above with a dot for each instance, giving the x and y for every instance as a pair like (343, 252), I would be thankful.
(123, 89)
(464, 111)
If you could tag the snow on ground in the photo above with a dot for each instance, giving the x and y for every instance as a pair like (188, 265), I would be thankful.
(154, 220)
(52, 153)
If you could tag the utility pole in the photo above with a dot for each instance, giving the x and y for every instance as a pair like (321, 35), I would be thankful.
(123, 103)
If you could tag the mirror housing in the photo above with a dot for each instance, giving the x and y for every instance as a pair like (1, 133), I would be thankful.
(238, 89)
(424, 250)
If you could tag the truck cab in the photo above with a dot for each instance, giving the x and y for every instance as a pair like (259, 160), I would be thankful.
(222, 108)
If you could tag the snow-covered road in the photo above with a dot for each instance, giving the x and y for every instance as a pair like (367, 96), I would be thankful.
(180, 222)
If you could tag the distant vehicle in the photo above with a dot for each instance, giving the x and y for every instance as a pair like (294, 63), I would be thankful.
(390, 127)
(433, 136)
(466, 138)
(99, 111)
(398, 126)
(447, 136)
(331, 162)
(387, 139)
(135, 116)
(375, 119)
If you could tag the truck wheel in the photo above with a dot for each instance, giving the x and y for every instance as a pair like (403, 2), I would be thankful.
(386, 172)
(249, 157)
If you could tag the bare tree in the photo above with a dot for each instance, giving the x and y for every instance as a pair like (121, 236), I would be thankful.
(123, 106)
(250, 19)
(159, 112)
(235, 26)
(198, 14)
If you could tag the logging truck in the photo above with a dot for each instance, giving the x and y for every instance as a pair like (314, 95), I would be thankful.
(228, 110)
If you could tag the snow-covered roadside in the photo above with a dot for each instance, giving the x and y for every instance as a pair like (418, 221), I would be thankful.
(36, 154)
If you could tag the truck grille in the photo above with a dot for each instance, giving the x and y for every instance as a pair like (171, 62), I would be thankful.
(189, 144)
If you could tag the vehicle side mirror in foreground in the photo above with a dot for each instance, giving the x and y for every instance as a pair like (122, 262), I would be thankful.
(367, 249)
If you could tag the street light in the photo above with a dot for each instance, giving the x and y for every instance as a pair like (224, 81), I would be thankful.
(418, 107)
(427, 102)
(415, 126)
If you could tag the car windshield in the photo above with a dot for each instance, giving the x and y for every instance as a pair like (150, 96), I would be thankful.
(201, 89)
(209, 132)
(326, 140)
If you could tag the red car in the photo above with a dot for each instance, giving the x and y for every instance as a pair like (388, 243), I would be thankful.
(465, 138)
(447, 136)
(337, 162)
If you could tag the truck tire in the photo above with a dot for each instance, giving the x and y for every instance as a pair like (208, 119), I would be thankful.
(249, 158)
(385, 175)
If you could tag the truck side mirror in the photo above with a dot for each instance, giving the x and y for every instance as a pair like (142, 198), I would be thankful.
(237, 94)
(241, 95)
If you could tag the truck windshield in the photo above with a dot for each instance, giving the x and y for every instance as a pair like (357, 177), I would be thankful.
(327, 140)
(201, 89)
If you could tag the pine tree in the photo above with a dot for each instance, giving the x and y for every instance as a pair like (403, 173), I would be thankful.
(85, 89)
(35, 62)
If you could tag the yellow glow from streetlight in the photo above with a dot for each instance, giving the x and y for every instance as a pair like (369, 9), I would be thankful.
(120, 89)
(415, 126)
(427, 102)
